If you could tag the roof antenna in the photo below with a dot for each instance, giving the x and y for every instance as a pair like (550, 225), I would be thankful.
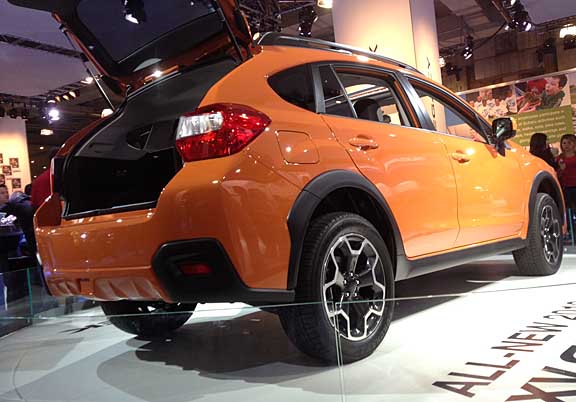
(90, 73)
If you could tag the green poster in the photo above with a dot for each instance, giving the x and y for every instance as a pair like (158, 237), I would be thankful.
(553, 122)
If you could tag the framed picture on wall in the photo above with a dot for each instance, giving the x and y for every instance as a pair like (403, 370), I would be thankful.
(7, 170)
(16, 184)
(1, 159)
(15, 164)
(2, 179)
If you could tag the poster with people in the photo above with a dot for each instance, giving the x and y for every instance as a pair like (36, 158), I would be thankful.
(544, 104)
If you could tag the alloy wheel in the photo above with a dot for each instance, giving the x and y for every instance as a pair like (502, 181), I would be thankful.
(354, 290)
(550, 234)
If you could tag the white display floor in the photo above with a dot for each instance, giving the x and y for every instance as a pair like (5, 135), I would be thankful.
(478, 332)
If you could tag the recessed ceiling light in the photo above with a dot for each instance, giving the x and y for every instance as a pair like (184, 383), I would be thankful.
(41, 148)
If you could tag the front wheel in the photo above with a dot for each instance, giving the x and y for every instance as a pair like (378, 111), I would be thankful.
(345, 284)
(147, 319)
(544, 249)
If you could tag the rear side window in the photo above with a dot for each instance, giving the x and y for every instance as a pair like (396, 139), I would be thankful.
(295, 86)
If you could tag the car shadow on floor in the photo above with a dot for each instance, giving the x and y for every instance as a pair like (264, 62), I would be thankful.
(236, 355)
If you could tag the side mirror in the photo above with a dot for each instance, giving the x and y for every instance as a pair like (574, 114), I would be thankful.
(502, 130)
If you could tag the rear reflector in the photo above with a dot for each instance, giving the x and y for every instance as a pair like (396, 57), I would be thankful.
(195, 269)
(218, 130)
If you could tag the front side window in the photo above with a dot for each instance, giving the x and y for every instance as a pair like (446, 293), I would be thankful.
(445, 116)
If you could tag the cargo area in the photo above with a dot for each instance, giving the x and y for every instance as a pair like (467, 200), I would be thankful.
(125, 164)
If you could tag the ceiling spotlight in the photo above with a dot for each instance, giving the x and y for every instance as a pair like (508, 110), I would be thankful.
(88, 80)
(570, 42)
(468, 48)
(106, 112)
(57, 98)
(157, 74)
(307, 16)
(54, 114)
(46, 131)
(41, 148)
(325, 3)
(442, 62)
(73, 94)
(134, 11)
(521, 21)
(51, 100)
(508, 3)
(66, 97)
(568, 30)
(13, 113)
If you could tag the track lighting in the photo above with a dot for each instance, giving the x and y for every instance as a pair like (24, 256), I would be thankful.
(468, 51)
(134, 11)
(307, 16)
(520, 18)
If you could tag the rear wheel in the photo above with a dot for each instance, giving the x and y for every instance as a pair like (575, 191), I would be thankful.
(544, 249)
(147, 318)
(344, 283)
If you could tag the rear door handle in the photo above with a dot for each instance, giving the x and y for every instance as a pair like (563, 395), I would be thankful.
(461, 157)
(364, 142)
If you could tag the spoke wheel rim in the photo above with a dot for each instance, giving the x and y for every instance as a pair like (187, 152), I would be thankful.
(550, 234)
(354, 287)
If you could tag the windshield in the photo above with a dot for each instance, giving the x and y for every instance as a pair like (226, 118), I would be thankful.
(127, 27)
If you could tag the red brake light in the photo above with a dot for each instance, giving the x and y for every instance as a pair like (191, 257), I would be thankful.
(218, 130)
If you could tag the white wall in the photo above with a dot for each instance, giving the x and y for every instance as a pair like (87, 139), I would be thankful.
(13, 144)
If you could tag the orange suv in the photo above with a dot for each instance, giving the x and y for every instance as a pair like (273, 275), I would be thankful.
(289, 170)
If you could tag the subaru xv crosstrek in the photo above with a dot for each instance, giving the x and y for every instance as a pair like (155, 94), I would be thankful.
(283, 171)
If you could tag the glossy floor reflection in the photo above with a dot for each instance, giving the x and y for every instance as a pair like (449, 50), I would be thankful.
(444, 322)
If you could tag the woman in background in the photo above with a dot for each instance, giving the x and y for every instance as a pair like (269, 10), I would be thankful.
(567, 169)
(539, 147)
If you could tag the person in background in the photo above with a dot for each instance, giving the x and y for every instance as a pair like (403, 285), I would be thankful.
(18, 205)
(567, 169)
(539, 147)
(28, 189)
(41, 186)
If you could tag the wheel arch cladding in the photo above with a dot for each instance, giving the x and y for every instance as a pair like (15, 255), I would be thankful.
(340, 191)
(545, 183)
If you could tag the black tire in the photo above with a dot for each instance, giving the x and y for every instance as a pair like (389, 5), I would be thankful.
(307, 323)
(147, 319)
(537, 258)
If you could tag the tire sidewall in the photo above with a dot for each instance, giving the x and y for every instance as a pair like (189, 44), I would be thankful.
(351, 224)
(542, 201)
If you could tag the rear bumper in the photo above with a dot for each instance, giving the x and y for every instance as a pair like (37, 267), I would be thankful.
(222, 285)
(165, 281)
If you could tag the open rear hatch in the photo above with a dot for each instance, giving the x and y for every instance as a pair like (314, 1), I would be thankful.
(164, 56)
(131, 40)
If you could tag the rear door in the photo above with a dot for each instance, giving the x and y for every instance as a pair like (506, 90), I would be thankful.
(490, 195)
(364, 109)
(133, 42)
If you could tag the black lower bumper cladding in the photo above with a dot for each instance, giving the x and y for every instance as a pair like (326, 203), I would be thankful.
(222, 285)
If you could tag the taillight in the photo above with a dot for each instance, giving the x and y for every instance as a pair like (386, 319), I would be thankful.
(218, 130)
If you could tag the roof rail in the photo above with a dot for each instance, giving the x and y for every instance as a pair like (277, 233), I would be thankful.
(278, 39)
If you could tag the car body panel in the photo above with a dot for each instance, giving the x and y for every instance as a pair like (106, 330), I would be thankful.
(244, 200)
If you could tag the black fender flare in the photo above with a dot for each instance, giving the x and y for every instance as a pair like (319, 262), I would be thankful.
(538, 179)
(310, 198)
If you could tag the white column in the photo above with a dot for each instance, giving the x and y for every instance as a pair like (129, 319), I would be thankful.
(404, 30)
